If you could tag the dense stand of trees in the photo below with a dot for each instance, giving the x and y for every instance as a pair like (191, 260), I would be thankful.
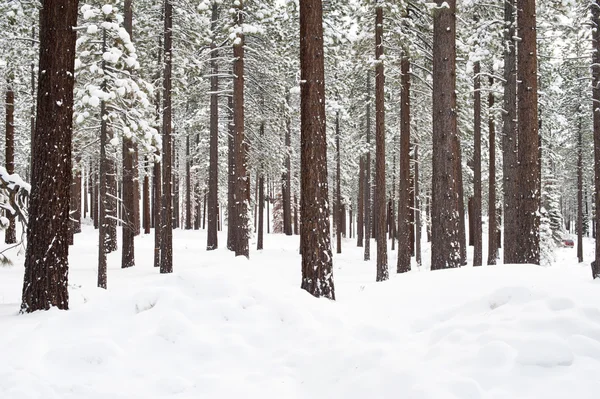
(219, 118)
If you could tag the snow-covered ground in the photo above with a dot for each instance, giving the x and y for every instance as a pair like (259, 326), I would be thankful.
(221, 327)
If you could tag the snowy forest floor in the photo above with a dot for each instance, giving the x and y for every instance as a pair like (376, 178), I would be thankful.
(225, 327)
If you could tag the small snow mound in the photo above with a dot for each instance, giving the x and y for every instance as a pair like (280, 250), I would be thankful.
(513, 295)
(496, 354)
(558, 304)
(544, 352)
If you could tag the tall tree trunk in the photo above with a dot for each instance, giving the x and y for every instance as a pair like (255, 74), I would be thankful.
(417, 210)
(242, 180)
(128, 205)
(146, 200)
(579, 190)
(76, 216)
(367, 170)
(477, 228)
(338, 178)
(188, 185)
(46, 260)
(261, 193)
(103, 235)
(287, 180)
(166, 247)
(213, 178)
(296, 223)
(382, 261)
(529, 167)
(509, 136)
(95, 197)
(445, 239)
(317, 266)
(360, 220)
(86, 190)
(10, 234)
(493, 219)
(231, 215)
(404, 182)
(596, 100)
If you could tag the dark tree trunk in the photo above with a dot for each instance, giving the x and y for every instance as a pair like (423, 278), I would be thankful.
(213, 178)
(417, 210)
(470, 217)
(76, 200)
(95, 198)
(360, 220)
(445, 206)
(579, 191)
(338, 178)
(146, 201)
(166, 247)
(261, 212)
(317, 266)
(477, 229)
(176, 207)
(493, 220)
(367, 170)
(287, 181)
(10, 234)
(404, 185)
(188, 185)
(103, 223)
(596, 100)
(382, 261)
(231, 215)
(261, 195)
(128, 208)
(86, 191)
(157, 211)
(241, 184)
(46, 260)
(529, 167)
(204, 210)
(509, 136)
(296, 225)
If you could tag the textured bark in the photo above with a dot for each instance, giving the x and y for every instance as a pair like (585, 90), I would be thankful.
(287, 176)
(382, 261)
(528, 167)
(296, 223)
(579, 191)
(241, 183)
(509, 136)
(76, 200)
(213, 177)
(261, 193)
(493, 219)
(445, 235)
(128, 216)
(404, 182)
(189, 209)
(166, 241)
(231, 215)
(86, 191)
(338, 213)
(10, 234)
(596, 109)
(317, 265)
(261, 212)
(46, 260)
(95, 199)
(477, 228)
(146, 202)
(367, 171)
(417, 210)
(360, 219)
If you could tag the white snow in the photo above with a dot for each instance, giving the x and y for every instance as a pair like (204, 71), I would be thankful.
(225, 327)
